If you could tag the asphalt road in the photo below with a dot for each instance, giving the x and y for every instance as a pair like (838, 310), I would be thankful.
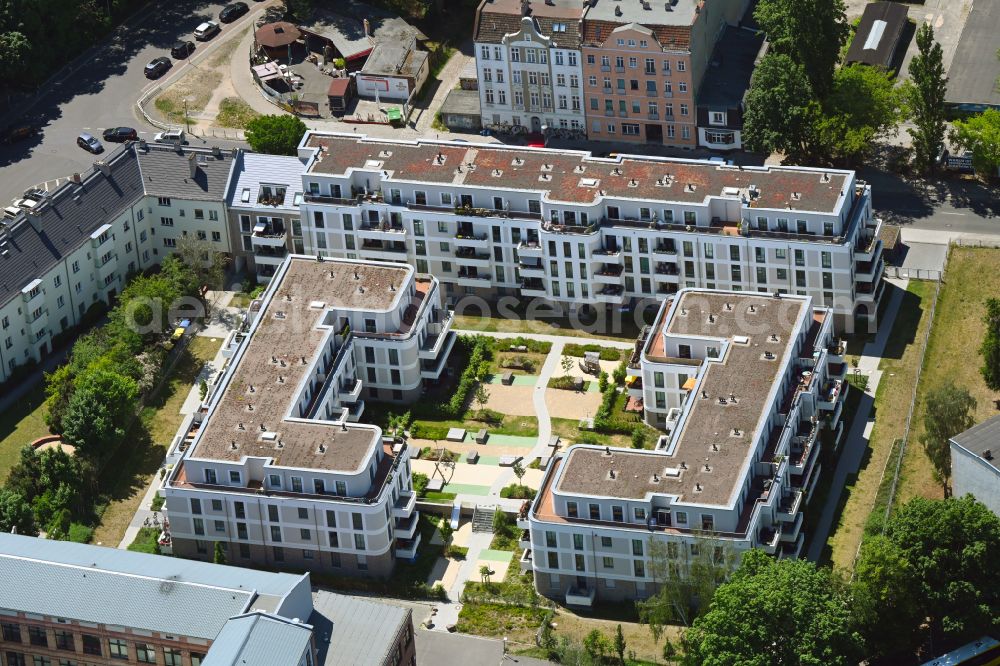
(102, 93)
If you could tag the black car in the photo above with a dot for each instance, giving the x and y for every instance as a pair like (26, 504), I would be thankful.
(182, 50)
(156, 67)
(16, 133)
(232, 12)
(120, 134)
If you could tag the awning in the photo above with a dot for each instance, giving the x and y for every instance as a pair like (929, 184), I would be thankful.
(689, 384)
(631, 379)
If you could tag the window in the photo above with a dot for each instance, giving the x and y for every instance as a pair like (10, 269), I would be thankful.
(117, 648)
(171, 657)
(359, 541)
(38, 637)
(163, 201)
(580, 563)
(145, 653)
(640, 568)
(166, 221)
(15, 659)
(637, 547)
(550, 539)
(11, 632)
(577, 542)
(608, 562)
(197, 658)
(91, 645)
(571, 509)
(553, 560)
(199, 526)
(639, 513)
(234, 477)
(356, 522)
(305, 534)
(64, 640)
(595, 511)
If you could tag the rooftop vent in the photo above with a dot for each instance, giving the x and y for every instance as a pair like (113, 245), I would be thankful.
(737, 432)
(232, 445)
(655, 479)
(517, 161)
(385, 153)
(988, 454)
(825, 178)
(611, 474)
(697, 487)
(579, 168)
(439, 158)
(321, 448)
(796, 196)
(544, 177)
(618, 11)
(690, 187)
(607, 450)
(588, 182)
(768, 356)
(546, 167)
(633, 182)
(773, 338)
(616, 172)
(497, 173)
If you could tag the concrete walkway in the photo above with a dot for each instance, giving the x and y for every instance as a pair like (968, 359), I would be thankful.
(856, 439)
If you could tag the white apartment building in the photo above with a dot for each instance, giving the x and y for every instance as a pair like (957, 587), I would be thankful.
(975, 468)
(753, 387)
(275, 465)
(580, 231)
(78, 245)
(264, 196)
(528, 63)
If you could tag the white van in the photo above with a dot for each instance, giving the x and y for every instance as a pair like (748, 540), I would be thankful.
(170, 136)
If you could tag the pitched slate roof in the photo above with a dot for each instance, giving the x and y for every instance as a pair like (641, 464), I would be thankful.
(65, 220)
(166, 172)
(361, 632)
(252, 170)
(497, 18)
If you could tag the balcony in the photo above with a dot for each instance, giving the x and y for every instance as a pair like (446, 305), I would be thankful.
(635, 389)
(790, 531)
(532, 270)
(336, 201)
(432, 368)
(610, 274)
(524, 541)
(376, 249)
(355, 411)
(268, 234)
(403, 507)
(382, 231)
(470, 239)
(107, 268)
(836, 350)
(526, 562)
(529, 249)
(352, 393)
(575, 229)
(533, 288)
(609, 255)
(470, 211)
(665, 248)
(272, 256)
(610, 294)
(271, 196)
(434, 344)
(581, 596)
(829, 394)
(867, 271)
(767, 539)
(788, 507)
(469, 277)
(469, 256)
(39, 323)
(405, 528)
(406, 549)
(666, 272)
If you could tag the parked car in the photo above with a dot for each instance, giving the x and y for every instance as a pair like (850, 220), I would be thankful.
(16, 133)
(232, 12)
(26, 204)
(10, 212)
(169, 136)
(120, 134)
(35, 194)
(206, 31)
(157, 67)
(89, 143)
(182, 50)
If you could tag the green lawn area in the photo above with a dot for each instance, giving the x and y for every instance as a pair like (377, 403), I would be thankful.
(569, 430)
(953, 355)
(614, 326)
(23, 423)
(892, 402)
(146, 541)
(124, 484)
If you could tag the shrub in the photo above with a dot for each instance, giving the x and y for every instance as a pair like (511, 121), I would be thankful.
(80, 533)
(457, 552)
(531, 344)
(606, 353)
(420, 483)
(158, 502)
(638, 438)
(565, 383)
(602, 381)
(517, 491)
(476, 368)
(620, 373)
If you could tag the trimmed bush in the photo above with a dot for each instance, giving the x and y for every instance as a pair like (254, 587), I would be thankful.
(606, 353)
(80, 533)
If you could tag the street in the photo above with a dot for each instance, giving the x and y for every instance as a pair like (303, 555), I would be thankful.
(102, 93)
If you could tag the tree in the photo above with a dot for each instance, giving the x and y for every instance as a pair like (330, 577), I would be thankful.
(810, 32)
(219, 556)
(864, 105)
(775, 612)
(926, 97)
(15, 513)
(298, 9)
(207, 264)
(518, 470)
(780, 108)
(484, 573)
(990, 348)
(597, 645)
(620, 644)
(567, 364)
(481, 396)
(953, 549)
(949, 412)
(981, 135)
(638, 437)
(884, 578)
(14, 50)
(446, 531)
(275, 135)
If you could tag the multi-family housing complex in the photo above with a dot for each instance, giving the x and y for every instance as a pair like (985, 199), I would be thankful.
(528, 62)
(975, 463)
(747, 388)
(276, 466)
(66, 603)
(581, 231)
(642, 62)
(77, 246)
(575, 230)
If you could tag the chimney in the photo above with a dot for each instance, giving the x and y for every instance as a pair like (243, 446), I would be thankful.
(618, 11)
(75, 178)
(193, 164)
(368, 29)
(35, 219)
(103, 167)
(988, 454)
(216, 151)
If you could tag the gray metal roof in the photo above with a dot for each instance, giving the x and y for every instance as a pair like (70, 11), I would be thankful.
(981, 438)
(681, 12)
(258, 639)
(111, 586)
(462, 102)
(360, 632)
(975, 68)
(253, 169)
(166, 172)
(65, 220)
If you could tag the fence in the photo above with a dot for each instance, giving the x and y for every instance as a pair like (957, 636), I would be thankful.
(913, 273)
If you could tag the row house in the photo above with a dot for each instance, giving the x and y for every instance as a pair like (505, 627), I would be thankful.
(747, 389)
(528, 63)
(580, 232)
(276, 465)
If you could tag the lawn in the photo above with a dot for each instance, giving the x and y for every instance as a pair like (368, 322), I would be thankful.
(892, 402)
(124, 484)
(613, 326)
(146, 541)
(21, 424)
(569, 430)
(234, 112)
(953, 355)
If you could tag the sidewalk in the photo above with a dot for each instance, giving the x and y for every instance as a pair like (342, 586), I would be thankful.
(856, 439)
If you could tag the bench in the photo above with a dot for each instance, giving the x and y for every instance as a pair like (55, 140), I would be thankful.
(508, 378)
(472, 458)
(482, 436)
(456, 435)
(435, 485)
(509, 461)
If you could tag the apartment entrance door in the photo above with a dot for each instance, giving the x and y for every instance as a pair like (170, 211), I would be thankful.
(654, 133)
(536, 124)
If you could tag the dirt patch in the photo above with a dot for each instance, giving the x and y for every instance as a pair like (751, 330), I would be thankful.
(234, 112)
(513, 400)
(571, 404)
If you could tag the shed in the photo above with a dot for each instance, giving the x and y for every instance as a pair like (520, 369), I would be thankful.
(878, 34)
(340, 93)
(275, 38)
(461, 111)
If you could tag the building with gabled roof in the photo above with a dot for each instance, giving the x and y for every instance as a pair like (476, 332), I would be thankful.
(975, 463)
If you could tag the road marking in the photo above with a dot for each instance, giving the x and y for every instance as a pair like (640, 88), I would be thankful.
(944, 212)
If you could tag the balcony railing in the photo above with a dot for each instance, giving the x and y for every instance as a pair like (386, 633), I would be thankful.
(476, 212)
